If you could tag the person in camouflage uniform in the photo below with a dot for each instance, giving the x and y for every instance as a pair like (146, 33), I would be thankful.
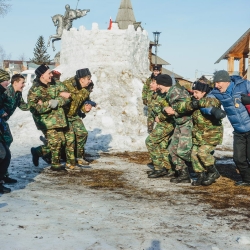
(181, 141)
(158, 139)
(47, 108)
(147, 95)
(5, 155)
(13, 99)
(207, 133)
(79, 94)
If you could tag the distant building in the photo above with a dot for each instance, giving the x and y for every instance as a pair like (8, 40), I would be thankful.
(125, 16)
(15, 67)
(239, 51)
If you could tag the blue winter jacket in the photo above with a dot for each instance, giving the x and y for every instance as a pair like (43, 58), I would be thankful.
(231, 101)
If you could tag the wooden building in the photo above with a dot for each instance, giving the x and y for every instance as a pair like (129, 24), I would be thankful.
(125, 16)
(240, 51)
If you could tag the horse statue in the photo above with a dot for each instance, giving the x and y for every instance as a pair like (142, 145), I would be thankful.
(65, 22)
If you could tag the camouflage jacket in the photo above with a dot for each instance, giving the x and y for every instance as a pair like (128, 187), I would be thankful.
(176, 95)
(146, 89)
(156, 111)
(14, 100)
(45, 117)
(206, 130)
(78, 96)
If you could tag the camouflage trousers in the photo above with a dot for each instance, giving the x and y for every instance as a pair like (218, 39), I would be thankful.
(181, 145)
(8, 138)
(58, 138)
(7, 133)
(157, 143)
(81, 135)
(202, 156)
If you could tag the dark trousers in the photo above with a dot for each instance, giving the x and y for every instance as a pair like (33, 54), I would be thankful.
(4, 163)
(241, 155)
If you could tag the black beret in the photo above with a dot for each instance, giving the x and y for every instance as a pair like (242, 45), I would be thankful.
(156, 67)
(164, 80)
(203, 87)
(41, 70)
(82, 73)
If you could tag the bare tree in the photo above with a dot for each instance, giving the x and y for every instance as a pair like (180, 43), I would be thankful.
(22, 58)
(4, 7)
(2, 56)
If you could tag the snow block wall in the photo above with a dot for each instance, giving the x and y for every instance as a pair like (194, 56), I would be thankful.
(118, 61)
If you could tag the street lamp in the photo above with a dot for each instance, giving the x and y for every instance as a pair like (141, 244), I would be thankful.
(156, 40)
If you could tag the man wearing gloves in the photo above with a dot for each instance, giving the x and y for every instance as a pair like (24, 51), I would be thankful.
(181, 142)
(233, 92)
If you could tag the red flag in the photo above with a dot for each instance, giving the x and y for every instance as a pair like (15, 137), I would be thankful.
(110, 24)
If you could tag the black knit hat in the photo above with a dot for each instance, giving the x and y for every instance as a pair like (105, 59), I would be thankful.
(164, 80)
(156, 67)
(203, 87)
(221, 76)
(41, 70)
(82, 73)
(4, 75)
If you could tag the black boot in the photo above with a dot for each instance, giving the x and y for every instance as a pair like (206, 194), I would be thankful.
(212, 175)
(7, 179)
(172, 173)
(158, 173)
(4, 190)
(35, 157)
(47, 158)
(183, 177)
(150, 171)
(58, 168)
(200, 178)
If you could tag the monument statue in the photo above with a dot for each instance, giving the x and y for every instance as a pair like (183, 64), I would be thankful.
(65, 22)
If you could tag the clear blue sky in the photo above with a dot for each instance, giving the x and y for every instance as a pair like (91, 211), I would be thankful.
(195, 33)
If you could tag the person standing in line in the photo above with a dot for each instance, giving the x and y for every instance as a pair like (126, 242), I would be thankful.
(79, 94)
(158, 139)
(47, 108)
(181, 142)
(233, 93)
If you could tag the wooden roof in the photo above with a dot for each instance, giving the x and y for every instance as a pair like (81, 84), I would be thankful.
(159, 60)
(125, 15)
(239, 49)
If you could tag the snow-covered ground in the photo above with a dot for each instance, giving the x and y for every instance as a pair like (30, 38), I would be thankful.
(113, 205)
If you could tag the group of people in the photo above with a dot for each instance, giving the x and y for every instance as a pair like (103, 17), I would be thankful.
(185, 126)
(57, 109)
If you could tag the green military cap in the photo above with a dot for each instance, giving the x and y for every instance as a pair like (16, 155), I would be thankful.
(4, 76)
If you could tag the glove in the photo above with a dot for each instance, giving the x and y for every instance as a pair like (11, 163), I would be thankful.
(195, 103)
(145, 102)
(81, 114)
(53, 103)
(218, 113)
(2, 151)
(245, 99)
